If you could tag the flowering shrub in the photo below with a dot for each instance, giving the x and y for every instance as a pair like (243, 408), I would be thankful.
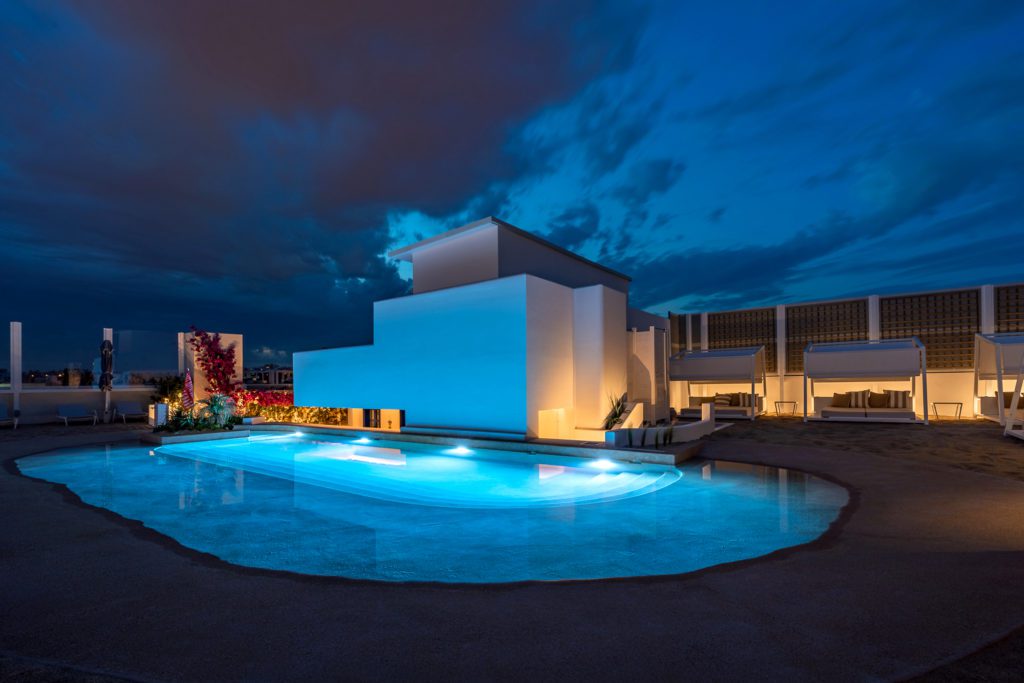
(278, 406)
(216, 362)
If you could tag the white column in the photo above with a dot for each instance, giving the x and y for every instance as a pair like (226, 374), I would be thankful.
(703, 331)
(874, 318)
(16, 365)
(780, 350)
(181, 353)
(988, 309)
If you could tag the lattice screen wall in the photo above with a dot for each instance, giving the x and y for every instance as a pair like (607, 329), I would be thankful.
(744, 328)
(695, 330)
(828, 322)
(1010, 308)
(945, 322)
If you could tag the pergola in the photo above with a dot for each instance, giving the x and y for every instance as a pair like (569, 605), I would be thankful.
(998, 358)
(867, 361)
(722, 366)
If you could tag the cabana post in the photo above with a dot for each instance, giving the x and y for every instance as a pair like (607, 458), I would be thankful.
(872, 361)
(1016, 413)
(722, 366)
(996, 357)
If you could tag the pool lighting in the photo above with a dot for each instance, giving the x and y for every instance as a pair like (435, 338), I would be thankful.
(362, 439)
(459, 450)
(602, 464)
(297, 434)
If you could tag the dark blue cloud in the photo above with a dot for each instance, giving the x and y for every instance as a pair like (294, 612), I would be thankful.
(246, 165)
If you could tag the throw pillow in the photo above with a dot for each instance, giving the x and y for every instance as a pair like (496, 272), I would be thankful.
(897, 399)
(878, 400)
(723, 400)
(859, 399)
(840, 400)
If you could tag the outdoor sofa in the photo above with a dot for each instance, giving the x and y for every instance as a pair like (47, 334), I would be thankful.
(75, 413)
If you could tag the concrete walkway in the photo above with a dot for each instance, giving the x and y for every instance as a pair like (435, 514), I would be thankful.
(928, 568)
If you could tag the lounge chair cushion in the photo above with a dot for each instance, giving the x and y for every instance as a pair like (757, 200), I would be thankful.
(878, 400)
(841, 400)
(723, 399)
(842, 412)
(891, 413)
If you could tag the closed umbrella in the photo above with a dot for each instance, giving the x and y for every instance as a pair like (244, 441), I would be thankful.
(106, 374)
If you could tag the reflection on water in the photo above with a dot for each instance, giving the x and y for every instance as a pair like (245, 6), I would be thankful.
(409, 512)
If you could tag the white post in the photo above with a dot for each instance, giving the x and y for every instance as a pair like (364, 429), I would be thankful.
(780, 350)
(16, 356)
(181, 353)
(988, 309)
(703, 331)
(924, 381)
(999, 383)
(874, 318)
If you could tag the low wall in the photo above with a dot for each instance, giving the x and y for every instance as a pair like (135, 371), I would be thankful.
(39, 405)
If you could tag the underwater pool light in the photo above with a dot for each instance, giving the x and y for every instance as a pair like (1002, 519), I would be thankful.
(602, 464)
(459, 450)
(361, 439)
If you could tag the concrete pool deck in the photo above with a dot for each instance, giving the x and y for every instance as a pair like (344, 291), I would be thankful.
(927, 568)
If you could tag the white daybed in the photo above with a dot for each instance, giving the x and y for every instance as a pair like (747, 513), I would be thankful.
(888, 360)
(744, 366)
(997, 360)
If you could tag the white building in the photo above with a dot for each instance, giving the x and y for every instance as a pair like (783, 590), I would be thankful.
(505, 334)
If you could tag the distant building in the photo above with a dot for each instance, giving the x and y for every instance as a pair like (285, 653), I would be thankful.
(269, 375)
(504, 334)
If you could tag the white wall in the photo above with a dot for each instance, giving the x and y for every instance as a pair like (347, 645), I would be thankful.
(199, 381)
(469, 258)
(454, 358)
(549, 379)
(599, 352)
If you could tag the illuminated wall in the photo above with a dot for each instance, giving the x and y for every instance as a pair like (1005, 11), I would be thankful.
(520, 355)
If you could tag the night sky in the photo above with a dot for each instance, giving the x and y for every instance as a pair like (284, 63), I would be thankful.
(245, 166)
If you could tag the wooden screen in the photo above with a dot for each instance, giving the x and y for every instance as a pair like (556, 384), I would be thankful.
(945, 322)
(735, 329)
(1010, 308)
(828, 322)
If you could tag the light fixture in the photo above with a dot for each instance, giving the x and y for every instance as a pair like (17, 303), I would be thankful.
(459, 450)
(602, 464)
(362, 439)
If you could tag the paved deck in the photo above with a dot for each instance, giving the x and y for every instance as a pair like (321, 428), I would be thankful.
(928, 568)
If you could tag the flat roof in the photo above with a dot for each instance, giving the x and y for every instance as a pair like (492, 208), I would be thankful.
(405, 253)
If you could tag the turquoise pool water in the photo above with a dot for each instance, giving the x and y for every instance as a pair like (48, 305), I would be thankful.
(400, 511)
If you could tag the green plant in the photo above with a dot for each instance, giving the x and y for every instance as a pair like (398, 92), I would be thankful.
(217, 408)
(617, 409)
(168, 389)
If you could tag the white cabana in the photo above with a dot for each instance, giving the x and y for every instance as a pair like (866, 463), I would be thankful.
(744, 366)
(998, 361)
(888, 360)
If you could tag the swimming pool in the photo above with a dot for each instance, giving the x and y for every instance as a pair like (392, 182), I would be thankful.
(407, 511)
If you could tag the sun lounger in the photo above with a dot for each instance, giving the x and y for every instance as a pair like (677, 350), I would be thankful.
(6, 419)
(75, 412)
(132, 410)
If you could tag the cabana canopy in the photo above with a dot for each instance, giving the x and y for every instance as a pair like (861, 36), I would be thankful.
(998, 358)
(745, 364)
(866, 361)
(900, 359)
(998, 354)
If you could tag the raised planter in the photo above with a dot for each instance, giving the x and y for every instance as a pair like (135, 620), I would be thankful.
(165, 438)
